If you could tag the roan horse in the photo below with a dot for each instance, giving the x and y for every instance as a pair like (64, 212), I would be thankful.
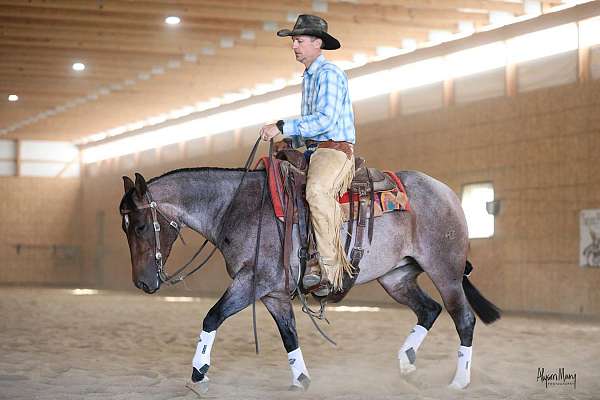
(431, 238)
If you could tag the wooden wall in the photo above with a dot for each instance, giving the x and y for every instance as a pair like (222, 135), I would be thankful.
(40, 231)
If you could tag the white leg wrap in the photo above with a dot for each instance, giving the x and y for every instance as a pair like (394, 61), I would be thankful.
(408, 352)
(462, 378)
(300, 375)
(205, 343)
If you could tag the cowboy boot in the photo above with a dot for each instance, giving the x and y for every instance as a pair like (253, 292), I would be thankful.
(312, 276)
(314, 280)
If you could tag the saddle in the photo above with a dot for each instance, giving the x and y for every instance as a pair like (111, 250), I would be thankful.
(371, 194)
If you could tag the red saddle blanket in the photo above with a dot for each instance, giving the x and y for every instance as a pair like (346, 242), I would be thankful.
(385, 201)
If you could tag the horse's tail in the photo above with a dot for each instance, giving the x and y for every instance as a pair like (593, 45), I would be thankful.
(485, 310)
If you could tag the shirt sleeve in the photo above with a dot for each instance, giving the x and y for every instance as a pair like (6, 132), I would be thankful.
(331, 89)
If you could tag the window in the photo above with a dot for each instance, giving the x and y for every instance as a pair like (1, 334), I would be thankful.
(475, 198)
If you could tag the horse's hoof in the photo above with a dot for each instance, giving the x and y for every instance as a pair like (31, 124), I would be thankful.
(407, 362)
(295, 388)
(406, 369)
(200, 387)
(301, 384)
(458, 385)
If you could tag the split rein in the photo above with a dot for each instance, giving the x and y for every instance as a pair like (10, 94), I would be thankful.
(179, 276)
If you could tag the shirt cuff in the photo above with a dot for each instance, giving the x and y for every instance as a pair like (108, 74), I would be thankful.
(290, 131)
(290, 127)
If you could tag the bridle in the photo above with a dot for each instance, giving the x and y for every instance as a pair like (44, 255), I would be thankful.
(178, 276)
(158, 257)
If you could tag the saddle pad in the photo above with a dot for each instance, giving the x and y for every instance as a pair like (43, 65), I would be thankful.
(384, 201)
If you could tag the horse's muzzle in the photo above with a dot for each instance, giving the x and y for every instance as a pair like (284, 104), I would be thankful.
(145, 288)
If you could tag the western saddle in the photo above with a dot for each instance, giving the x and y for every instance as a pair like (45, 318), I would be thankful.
(287, 181)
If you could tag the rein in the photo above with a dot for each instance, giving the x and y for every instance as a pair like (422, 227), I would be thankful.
(177, 277)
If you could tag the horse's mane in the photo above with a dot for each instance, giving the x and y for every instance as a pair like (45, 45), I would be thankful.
(196, 169)
(128, 204)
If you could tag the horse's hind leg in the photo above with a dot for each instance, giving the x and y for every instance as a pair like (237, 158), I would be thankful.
(280, 307)
(447, 278)
(457, 306)
(401, 284)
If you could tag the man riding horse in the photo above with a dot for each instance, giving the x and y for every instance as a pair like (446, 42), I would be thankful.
(326, 128)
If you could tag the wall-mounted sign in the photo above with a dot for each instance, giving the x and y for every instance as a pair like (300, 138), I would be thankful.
(589, 238)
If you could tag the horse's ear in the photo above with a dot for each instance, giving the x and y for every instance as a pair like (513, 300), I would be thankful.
(127, 184)
(140, 185)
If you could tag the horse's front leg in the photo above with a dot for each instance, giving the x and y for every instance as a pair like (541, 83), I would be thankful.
(280, 307)
(237, 297)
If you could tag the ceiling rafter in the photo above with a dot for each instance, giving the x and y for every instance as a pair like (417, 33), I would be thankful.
(138, 67)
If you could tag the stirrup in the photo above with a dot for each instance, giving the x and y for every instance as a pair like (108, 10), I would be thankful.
(320, 290)
(311, 279)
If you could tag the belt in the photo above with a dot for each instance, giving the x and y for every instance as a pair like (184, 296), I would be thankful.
(345, 147)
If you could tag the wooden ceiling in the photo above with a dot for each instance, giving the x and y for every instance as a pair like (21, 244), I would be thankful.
(139, 67)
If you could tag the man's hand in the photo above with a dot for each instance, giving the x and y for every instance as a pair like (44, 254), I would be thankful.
(269, 131)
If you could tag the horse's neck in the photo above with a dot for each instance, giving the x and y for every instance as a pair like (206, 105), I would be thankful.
(197, 198)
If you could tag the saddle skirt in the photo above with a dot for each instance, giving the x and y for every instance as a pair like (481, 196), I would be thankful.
(389, 193)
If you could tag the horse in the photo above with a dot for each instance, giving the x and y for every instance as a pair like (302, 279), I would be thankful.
(224, 206)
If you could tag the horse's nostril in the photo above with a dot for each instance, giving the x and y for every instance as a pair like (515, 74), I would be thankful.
(143, 286)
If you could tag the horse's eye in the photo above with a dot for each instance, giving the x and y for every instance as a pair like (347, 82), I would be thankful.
(126, 220)
(140, 229)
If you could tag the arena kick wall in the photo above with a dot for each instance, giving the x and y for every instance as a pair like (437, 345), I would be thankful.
(539, 149)
(40, 230)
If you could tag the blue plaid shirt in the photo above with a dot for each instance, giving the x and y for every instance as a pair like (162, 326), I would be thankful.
(326, 107)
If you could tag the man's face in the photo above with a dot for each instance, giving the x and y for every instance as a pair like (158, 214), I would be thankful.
(306, 48)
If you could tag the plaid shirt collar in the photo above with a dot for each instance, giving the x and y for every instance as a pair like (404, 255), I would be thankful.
(314, 66)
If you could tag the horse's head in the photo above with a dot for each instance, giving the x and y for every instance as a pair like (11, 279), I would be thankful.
(138, 225)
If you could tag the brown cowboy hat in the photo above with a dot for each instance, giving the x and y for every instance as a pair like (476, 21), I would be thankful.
(311, 25)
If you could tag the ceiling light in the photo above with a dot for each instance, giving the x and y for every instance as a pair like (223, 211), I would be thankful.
(226, 42)
(190, 57)
(439, 36)
(248, 34)
(174, 64)
(78, 66)
(320, 6)
(499, 18)
(292, 16)
(467, 27)
(409, 44)
(172, 20)
(270, 26)
(532, 7)
(13, 97)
